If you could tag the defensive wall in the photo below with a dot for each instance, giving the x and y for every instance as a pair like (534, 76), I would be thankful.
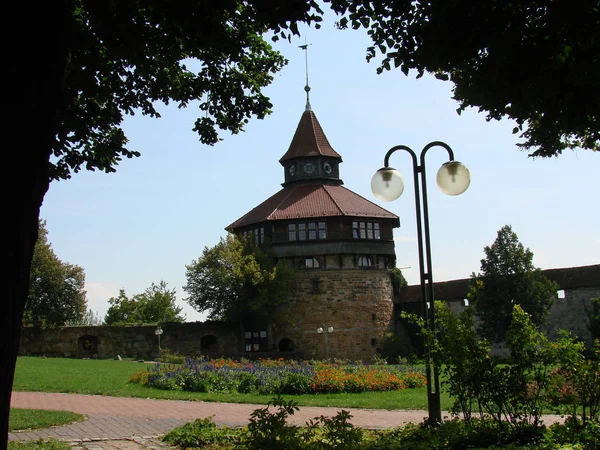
(570, 310)
(357, 304)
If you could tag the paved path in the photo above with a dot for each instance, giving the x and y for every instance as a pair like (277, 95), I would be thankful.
(116, 423)
(131, 421)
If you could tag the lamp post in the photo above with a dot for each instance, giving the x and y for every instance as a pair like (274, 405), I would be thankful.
(158, 332)
(325, 330)
(453, 178)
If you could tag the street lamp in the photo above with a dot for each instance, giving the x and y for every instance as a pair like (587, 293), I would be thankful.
(325, 330)
(453, 178)
(158, 332)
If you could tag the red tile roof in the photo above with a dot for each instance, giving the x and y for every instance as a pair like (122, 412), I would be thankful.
(313, 200)
(309, 140)
(565, 277)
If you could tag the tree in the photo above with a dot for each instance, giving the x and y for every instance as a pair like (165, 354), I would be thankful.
(508, 278)
(236, 279)
(56, 293)
(82, 66)
(90, 318)
(534, 61)
(154, 306)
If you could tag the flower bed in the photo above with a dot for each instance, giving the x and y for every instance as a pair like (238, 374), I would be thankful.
(277, 377)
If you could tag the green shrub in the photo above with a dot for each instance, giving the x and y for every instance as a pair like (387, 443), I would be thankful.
(202, 433)
(269, 430)
(167, 357)
(295, 383)
(336, 432)
(573, 431)
(248, 383)
(394, 347)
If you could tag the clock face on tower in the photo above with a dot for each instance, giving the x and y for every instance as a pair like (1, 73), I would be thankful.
(327, 168)
(309, 168)
(292, 170)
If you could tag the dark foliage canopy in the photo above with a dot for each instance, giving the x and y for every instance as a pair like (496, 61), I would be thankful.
(534, 61)
(129, 56)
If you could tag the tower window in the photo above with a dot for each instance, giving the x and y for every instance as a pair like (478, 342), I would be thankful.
(366, 230)
(257, 235)
(322, 230)
(364, 261)
(312, 231)
(304, 231)
(311, 263)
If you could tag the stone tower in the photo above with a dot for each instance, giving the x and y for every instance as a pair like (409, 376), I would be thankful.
(342, 247)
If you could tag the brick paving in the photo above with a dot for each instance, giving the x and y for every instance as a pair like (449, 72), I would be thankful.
(116, 423)
(124, 421)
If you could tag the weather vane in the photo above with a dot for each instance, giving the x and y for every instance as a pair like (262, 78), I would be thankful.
(307, 87)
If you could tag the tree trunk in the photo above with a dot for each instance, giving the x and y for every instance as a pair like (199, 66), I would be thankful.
(17, 251)
(35, 60)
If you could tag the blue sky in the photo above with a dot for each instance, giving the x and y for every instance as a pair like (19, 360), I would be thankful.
(145, 222)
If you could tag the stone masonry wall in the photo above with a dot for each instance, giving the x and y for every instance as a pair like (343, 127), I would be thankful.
(571, 313)
(356, 303)
(130, 341)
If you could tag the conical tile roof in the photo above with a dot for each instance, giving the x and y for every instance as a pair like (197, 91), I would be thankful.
(309, 140)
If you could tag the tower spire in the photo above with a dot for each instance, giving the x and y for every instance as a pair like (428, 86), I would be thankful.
(307, 87)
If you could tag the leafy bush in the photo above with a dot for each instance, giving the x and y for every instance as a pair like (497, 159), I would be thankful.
(575, 432)
(335, 432)
(296, 383)
(201, 433)
(167, 357)
(514, 392)
(576, 383)
(394, 347)
(248, 383)
(269, 430)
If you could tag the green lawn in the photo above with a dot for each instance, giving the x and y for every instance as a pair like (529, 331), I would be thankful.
(51, 444)
(108, 377)
(32, 419)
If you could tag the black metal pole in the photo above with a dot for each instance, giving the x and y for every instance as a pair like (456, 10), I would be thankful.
(426, 276)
